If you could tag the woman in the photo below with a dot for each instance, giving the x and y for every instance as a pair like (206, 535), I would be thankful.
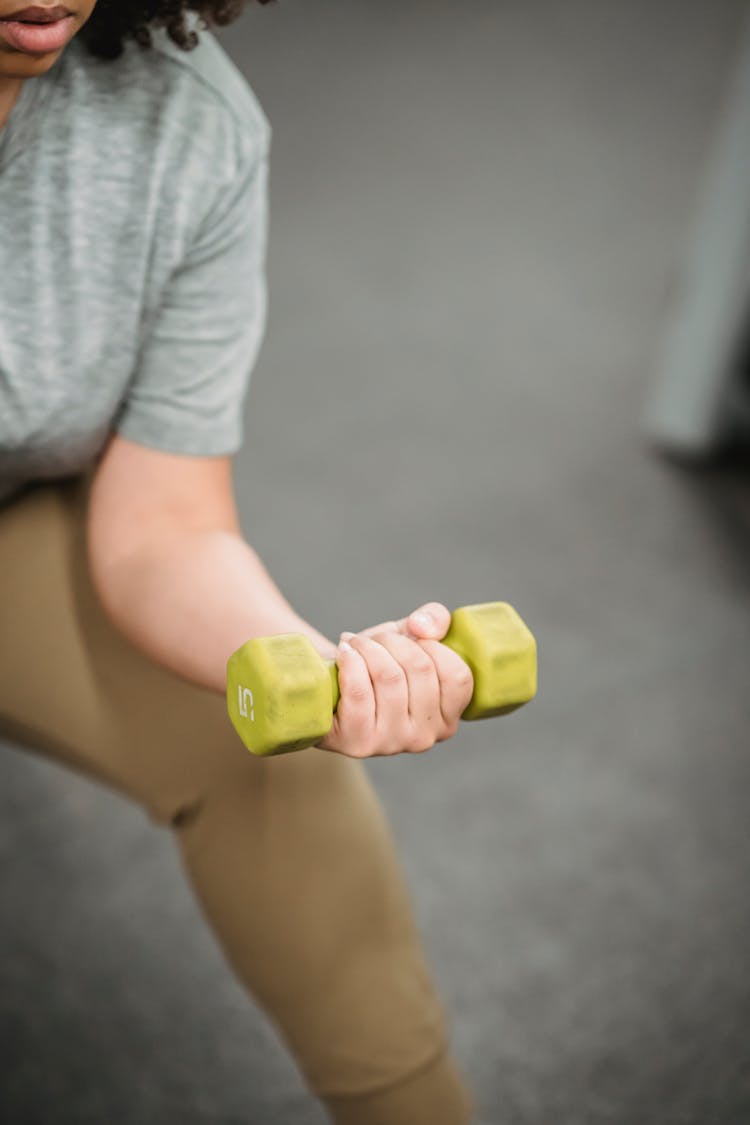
(133, 208)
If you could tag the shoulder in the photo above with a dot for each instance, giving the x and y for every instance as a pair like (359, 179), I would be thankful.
(210, 82)
(211, 75)
(169, 101)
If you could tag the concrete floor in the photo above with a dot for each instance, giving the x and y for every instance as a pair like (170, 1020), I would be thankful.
(478, 217)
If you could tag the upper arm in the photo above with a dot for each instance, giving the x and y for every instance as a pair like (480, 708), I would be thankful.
(205, 311)
(143, 496)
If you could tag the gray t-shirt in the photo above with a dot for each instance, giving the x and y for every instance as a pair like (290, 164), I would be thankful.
(132, 245)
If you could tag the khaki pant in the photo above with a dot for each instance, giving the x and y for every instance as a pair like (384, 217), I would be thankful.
(291, 858)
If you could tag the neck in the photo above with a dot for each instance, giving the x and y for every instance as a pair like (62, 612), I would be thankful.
(10, 88)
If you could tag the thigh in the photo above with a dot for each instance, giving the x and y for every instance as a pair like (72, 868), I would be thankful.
(71, 685)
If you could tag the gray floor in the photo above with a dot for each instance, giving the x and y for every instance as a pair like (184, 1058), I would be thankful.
(479, 212)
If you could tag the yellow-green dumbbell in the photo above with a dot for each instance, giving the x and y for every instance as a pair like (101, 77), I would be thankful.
(281, 694)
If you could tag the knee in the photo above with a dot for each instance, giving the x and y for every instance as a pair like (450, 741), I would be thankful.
(174, 746)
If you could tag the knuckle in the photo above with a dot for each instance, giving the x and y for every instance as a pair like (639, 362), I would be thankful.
(386, 629)
(421, 665)
(357, 750)
(464, 684)
(358, 695)
(465, 678)
(390, 677)
(378, 748)
(419, 742)
(360, 742)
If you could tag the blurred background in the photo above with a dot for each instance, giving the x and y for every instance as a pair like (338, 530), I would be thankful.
(481, 215)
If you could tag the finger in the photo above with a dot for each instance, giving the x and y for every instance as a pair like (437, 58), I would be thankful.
(422, 682)
(430, 622)
(354, 718)
(389, 684)
(384, 627)
(456, 683)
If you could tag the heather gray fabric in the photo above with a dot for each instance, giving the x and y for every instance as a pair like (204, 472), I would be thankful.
(133, 218)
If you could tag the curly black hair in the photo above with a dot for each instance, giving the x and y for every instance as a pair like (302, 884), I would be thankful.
(114, 21)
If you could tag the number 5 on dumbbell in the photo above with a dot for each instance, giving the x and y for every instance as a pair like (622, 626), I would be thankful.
(281, 694)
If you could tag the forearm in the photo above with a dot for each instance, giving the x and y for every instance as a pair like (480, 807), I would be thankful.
(172, 570)
(188, 600)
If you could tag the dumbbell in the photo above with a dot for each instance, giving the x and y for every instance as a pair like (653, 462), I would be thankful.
(281, 694)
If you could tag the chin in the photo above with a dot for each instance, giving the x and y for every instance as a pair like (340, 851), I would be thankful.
(25, 66)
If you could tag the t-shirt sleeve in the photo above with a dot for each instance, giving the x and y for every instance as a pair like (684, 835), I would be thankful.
(200, 345)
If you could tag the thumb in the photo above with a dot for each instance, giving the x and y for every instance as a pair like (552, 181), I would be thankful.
(430, 622)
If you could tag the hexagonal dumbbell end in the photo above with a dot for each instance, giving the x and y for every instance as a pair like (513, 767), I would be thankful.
(281, 694)
(501, 652)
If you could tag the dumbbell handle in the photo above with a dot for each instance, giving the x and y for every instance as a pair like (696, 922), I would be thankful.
(333, 672)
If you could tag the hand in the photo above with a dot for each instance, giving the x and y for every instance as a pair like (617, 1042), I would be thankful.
(401, 690)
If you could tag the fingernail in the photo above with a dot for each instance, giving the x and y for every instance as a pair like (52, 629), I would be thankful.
(423, 619)
(345, 647)
(346, 636)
